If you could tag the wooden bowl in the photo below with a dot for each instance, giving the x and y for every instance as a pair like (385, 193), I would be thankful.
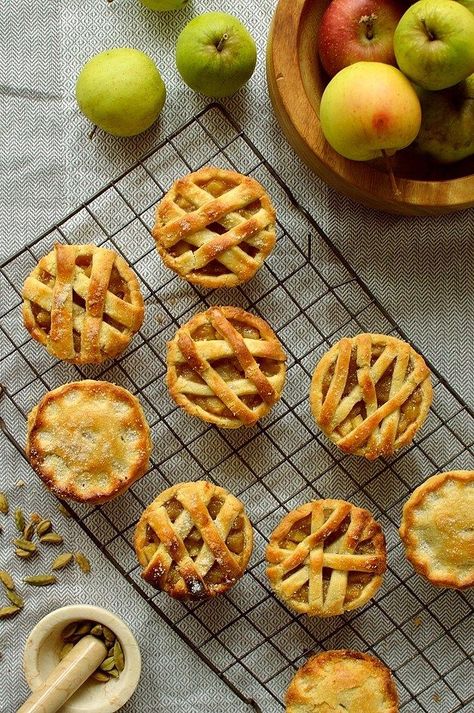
(296, 81)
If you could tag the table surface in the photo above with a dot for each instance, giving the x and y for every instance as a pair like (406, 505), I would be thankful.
(420, 269)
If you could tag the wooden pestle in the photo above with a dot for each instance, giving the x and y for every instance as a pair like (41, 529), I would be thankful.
(67, 677)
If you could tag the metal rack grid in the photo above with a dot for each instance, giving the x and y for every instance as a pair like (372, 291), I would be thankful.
(311, 297)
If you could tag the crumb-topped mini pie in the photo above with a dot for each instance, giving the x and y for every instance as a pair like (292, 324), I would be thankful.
(326, 557)
(88, 440)
(370, 394)
(226, 366)
(83, 303)
(342, 680)
(215, 227)
(437, 529)
(194, 540)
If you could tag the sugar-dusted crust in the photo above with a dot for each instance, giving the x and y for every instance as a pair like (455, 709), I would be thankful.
(226, 366)
(83, 303)
(326, 557)
(342, 680)
(194, 540)
(370, 394)
(437, 529)
(215, 227)
(88, 440)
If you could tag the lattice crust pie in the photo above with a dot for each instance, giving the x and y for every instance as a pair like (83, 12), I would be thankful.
(370, 394)
(226, 366)
(342, 681)
(83, 303)
(88, 440)
(215, 227)
(194, 540)
(326, 557)
(438, 529)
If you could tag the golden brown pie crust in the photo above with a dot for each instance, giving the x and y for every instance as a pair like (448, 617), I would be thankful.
(326, 557)
(437, 529)
(83, 303)
(226, 366)
(194, 540)
(215, 227)
(88, 440)
(370, 394)
(342, 680)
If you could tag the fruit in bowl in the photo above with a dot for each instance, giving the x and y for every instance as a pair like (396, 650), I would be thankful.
(357, 30)
(447, 125)
(434, 43)
(369, 109)
(121, 91)
(215, 54)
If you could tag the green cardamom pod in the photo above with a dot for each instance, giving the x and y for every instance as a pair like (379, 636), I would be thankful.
(25, 545)
(19, 520)
(118, 656)
(15, 598)
(6, 579)
(8, 611)
(62, 561)
(40, 580)
(29, 531)
(43, 527)
(107, 664)
(4, 507)
(52, 538)
(22, 553)
(99, 676)
(83, 562)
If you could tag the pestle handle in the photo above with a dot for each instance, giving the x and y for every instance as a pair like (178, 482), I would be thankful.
(67, 677)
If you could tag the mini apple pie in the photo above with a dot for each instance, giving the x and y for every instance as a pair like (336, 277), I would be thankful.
(342, 680)
(215, 227)
(226, 366)
(83, 303)
(194, 540)
(370, 394)
(88, 440)
(326, 557)
(438, 529)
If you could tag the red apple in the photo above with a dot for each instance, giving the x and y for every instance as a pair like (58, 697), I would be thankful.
(357, 31)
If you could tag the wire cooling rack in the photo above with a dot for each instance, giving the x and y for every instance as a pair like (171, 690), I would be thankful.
(311, 297)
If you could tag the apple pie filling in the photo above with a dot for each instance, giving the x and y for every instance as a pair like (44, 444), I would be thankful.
(356, 581)
(409, 410)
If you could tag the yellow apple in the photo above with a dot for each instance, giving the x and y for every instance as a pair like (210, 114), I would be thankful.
(368, 109)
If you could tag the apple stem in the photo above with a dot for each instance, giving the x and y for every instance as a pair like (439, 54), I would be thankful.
(388, 164)
(224, 37)
(94, 128)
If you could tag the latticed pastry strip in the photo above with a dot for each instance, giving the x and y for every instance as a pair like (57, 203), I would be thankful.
(194, 540)
(83, 303)
(370, 394)
(226, 366)
(326, 557)
(215, 227)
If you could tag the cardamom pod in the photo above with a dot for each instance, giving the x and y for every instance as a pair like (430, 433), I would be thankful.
(29, 531)
(43, 527)
(65, 650)
(63, 510)
(19, 520)
(107, 664)
(83, 562)
(83, 628)
(15, 598)
(99, 676)
(70, 629)
(118, 656)
(22, 553)
(62, 561)
(40, 580)
(97, 630)
(113, 672)
(4, 507)
(8, 611)
(25, 545)
(52, 538)
(108, 635)
(6, 579)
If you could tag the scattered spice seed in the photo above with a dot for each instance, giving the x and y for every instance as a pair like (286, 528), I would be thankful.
(43, 527)
(6, 579)
(63, 510)
(22, 553)
(8, 611)
(25, 545)
(29, 531)
(20, 484)
(19, 520)
(51, 538)
(83, 562)
(40, 580)
(4, 507)
(62, 561)
(15, 598)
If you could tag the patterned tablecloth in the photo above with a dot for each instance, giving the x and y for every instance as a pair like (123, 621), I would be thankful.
(419, 268)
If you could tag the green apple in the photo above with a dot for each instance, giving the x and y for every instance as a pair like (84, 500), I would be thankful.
(434, 43)
(368, 109)
(468, 3)
(121, 91)
(164, 5)
(215, 54)
(447, 124)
